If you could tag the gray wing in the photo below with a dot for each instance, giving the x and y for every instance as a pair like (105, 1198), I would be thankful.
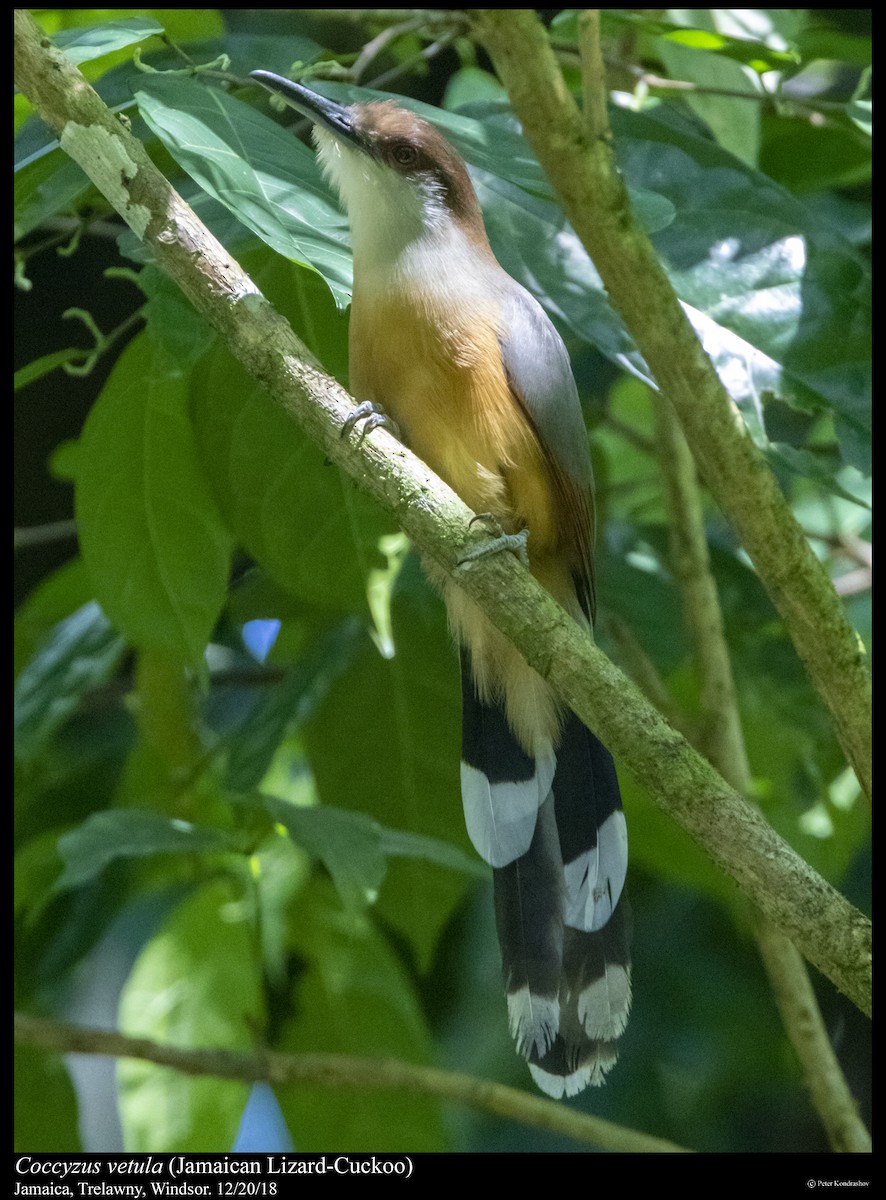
(540, 377)
(540, 374)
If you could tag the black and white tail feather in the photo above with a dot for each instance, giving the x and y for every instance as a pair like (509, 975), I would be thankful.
(552, 829)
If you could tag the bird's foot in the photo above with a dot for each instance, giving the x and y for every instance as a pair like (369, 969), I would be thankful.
(373, 416)
(498, 541)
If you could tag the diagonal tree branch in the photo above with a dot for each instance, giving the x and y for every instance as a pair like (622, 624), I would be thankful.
(723, 742)
(829, 930)
(344, 1071)
(582, 169)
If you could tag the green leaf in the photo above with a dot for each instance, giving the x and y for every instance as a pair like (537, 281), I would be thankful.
(81, 652)
(400, 843)
(354, 997)
(734, 122)
(150, 533)
(810, 466)
(347, 843)
(809, 158)
(354, 848)
(819, 42)
(57, 596)
(81, 45)
(470, 85)
(302, 520)
(44, 187)
(196, 983)
(107, 836)
(782, 301)
(175, 324)
(258, 170)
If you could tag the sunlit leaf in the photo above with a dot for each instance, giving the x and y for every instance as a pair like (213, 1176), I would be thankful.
(267, 178)
(92, 41)
(196, 983)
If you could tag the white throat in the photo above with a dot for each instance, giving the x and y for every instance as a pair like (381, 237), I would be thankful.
(400, 228)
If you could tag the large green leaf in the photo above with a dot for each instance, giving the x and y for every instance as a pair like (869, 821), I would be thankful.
(45, 186)
(195, 984)
(301, 519)
(733, 120)
(779, 299)
(150, 534)
(264, 175)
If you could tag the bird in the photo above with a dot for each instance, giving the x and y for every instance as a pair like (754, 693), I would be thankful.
(469, 367)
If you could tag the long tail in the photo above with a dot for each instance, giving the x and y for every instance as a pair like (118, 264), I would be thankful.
(553, 831)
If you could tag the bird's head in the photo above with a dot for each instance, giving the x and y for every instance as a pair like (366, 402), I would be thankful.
(398, 177)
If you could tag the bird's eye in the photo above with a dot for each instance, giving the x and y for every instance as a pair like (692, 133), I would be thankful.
(405, 155)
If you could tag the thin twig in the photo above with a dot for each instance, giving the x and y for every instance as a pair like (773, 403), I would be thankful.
(388, 16)
(25, 536)
(374, 47)
(424, 55)
(343, 1071)
(660, 84)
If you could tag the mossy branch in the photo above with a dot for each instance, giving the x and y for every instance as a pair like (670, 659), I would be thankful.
(345, 1072)
(722, 741)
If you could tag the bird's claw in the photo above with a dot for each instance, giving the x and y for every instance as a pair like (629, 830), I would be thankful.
(373, 416)
(515, 543)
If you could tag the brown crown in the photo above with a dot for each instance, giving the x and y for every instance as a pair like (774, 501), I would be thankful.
(413, 148)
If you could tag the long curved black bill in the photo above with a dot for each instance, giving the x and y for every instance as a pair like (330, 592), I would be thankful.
(334, 117)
